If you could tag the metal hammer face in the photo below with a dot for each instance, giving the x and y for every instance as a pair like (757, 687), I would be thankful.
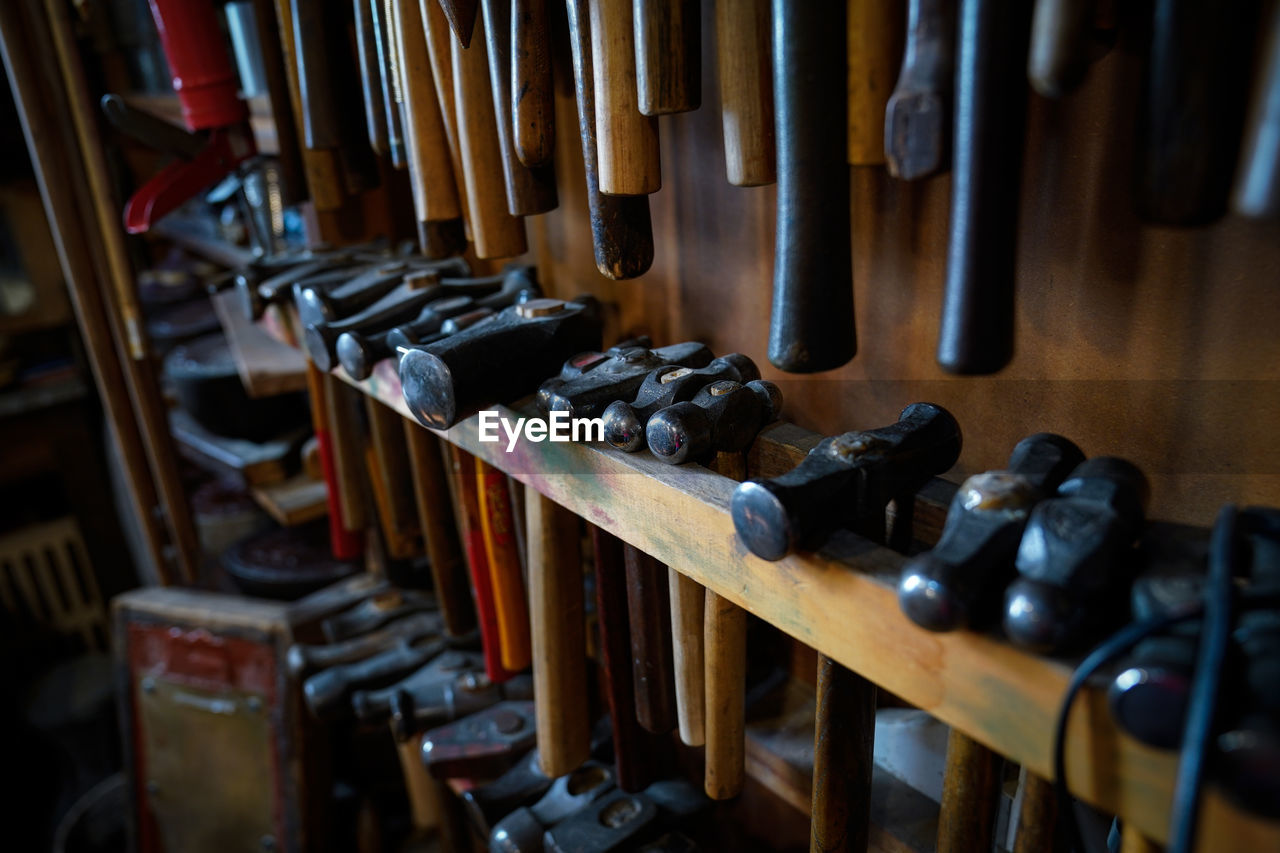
(842, 479)
(416, 707)
(374, 705)
(1071, 560)
(615, 377)
(496, 361)
(723, 417)
(960, 580)
(483, 744)
(522, 830)
(625, 422)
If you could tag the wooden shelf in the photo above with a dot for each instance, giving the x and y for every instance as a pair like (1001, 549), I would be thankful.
(842, 601)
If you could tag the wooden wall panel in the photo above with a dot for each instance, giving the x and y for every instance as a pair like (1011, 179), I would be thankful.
(1154, 343)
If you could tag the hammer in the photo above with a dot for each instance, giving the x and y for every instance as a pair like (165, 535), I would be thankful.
(498, 526)
(746, 91)
(811, 328)
(320, 300)
(1072, 560)
(626, 139)
(959, 582)
(621, 231)
(367, 36)
(917, 123)
(976, 333)
(533, 109)
(521, 830)
(668, 40)
(718, 424)
(615, 377)
(530, 189)
(1065, 39)
(385, 49)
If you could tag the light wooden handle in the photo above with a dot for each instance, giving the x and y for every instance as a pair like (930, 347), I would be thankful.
(435, 192)
(970, 795)
(497, 523)
(725, 641)
(393, 485)
(843, 741)
(533, 107)
(440, 54)
(424, 792)
(668, 35)
(435, 518)
(688, 600)
(626, 140)
(875, 30)
(559, 635)
(529, 190)
(743, 53)
(497, 234)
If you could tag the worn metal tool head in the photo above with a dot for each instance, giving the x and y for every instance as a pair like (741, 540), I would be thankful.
(415, 707)
(523, 784)
(722, 417)
(624, 422)
(358, 353)
(375, 611)
(496, 361)
(327, 691)
(304, 659)
(959, 582)
(580, 363)
(338, 298)
(521, 831)
(610, 823)
(615, 377)
(424, 683)
(259, 286)
(842, 479)
(485, 743)
(1073, 558)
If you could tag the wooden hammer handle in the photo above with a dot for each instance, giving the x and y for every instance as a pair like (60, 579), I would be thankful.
(1037, 816)
(1257, 191)
(970, 796)
(811, 328)
(533, 108)
(392, 481)
(668, 39)
(632, 745)
(1060, 45)
(559, 635)
(370, 77)
(843, 741)
(621, 230)
(497, 523)
(431, 493)
(743, 59)
(626, 139)
(688, 601)
(725, 648)
(497, 234)
(875, 49)
(384, 14)
(976, 332)
(435, 192)
(529, 190)
(648, 614)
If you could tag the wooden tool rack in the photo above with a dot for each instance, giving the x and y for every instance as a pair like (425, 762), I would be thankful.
(842, 602)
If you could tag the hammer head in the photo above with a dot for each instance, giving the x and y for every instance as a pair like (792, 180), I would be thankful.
(318, 304)
(845, 478)
(723, 417)
(615, 377)
(482, 744)
(359, 353)
(496, 361)
(624, 423)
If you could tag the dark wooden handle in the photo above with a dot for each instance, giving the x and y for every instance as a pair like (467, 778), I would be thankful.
(497, 234)
(626, 139)
(1061, 49)
(976, 334)
(843, 741)
(743, 59)
(1037, 817)
(529, 190)
(319, 104)
(970, 796)
(875, 48)
(435, 518)
(812, 323)
(1194, 89)
(435, 191)
(918, 116)
(370, 77)
(391, 481)
(648, 609)
(621, 230)
(632, 745)
(668, 37)
(533, 107)
(497, 523)
(1257, 188)
(384, 41)
(559, 635)
(1257, 191)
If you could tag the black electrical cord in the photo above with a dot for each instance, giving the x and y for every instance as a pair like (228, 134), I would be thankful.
(1202, 699)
